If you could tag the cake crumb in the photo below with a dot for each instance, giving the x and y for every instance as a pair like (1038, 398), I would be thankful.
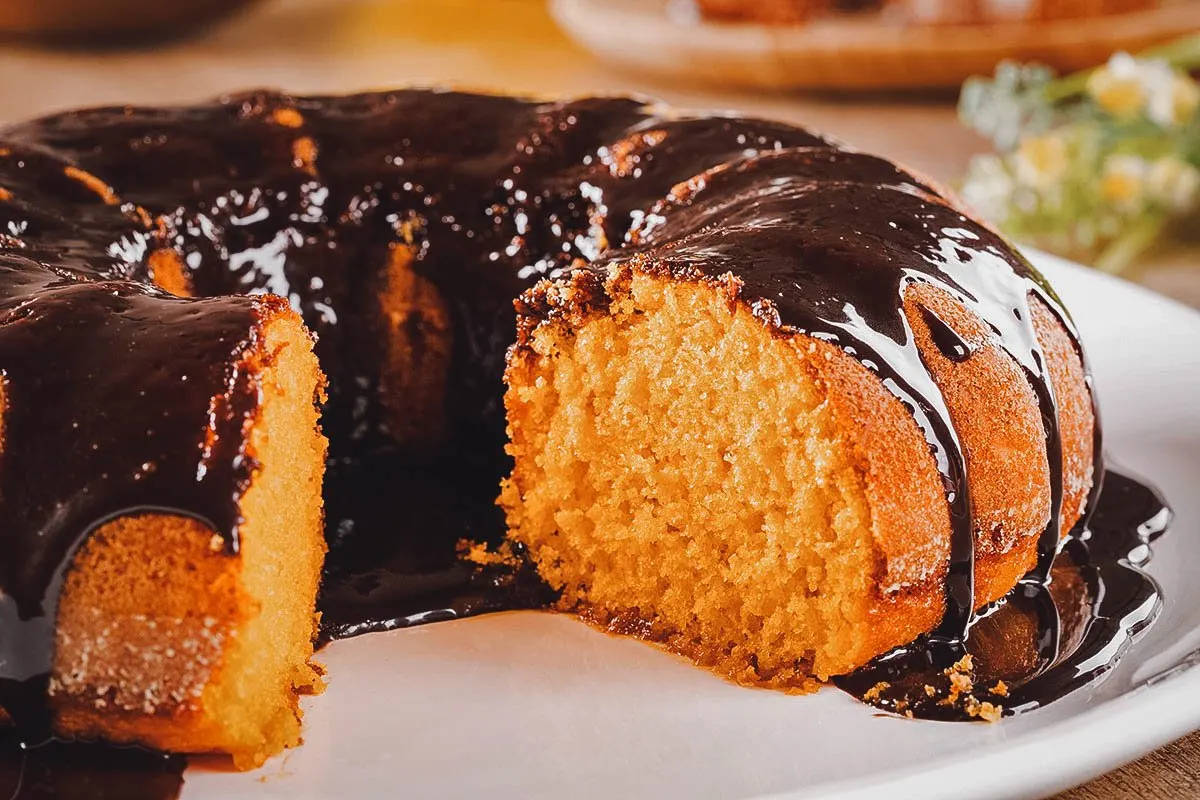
(989, 712)
(875, 692)
(1000, 689)
(287, 117)
(479, 553)
(960, 683)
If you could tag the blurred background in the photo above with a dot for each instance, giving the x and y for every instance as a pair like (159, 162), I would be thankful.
(1102, 165)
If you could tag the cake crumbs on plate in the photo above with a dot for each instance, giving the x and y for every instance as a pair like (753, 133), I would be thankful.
(875, 693)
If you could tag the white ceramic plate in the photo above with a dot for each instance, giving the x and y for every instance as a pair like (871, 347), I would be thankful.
(530, 704)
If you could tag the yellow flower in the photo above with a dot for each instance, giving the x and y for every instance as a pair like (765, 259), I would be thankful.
(1118, 87)
(1123, 181)
(1185, 98)
(1173, 100)
(1041, 160)
(1174, 183)
(1126, 87)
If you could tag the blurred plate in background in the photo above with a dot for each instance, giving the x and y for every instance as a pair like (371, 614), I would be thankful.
(862, 51)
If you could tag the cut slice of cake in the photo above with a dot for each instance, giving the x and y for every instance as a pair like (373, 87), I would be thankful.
(224, 641)
(185, 621)
(690, 472)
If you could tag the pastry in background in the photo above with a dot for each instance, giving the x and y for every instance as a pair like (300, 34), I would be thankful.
(774, 12)
(925, 12)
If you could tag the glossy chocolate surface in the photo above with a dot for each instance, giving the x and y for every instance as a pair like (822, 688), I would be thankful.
(303, 197)
(1044, 639)
(117, 396)
(308, 198)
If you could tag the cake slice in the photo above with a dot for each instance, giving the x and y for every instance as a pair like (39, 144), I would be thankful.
(727, 440)
(188, 428)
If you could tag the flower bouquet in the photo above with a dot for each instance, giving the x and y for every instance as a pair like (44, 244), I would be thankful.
(1098, 165)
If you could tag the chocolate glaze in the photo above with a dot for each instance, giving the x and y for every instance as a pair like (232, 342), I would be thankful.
(50, 209)
(1044, 639)
(826, 243)
(117, 396)
(67, 771)
(110, 389)
(490, 193)
(308, 198)
(417, 574)
(949, 343)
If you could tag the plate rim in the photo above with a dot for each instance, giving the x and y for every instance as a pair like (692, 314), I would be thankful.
(985, 773)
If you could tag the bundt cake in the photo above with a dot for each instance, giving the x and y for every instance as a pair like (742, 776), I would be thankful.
(775, 403)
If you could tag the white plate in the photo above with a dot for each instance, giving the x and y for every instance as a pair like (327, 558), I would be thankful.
(529, 704)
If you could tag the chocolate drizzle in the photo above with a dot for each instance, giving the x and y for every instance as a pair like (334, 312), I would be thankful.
(949, 343)
(312, 199)
(1045, 639)
(827, 243)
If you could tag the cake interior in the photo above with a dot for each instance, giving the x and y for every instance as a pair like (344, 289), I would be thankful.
(684, 480)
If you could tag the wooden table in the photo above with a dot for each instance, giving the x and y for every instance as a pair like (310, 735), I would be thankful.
(512, 45)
